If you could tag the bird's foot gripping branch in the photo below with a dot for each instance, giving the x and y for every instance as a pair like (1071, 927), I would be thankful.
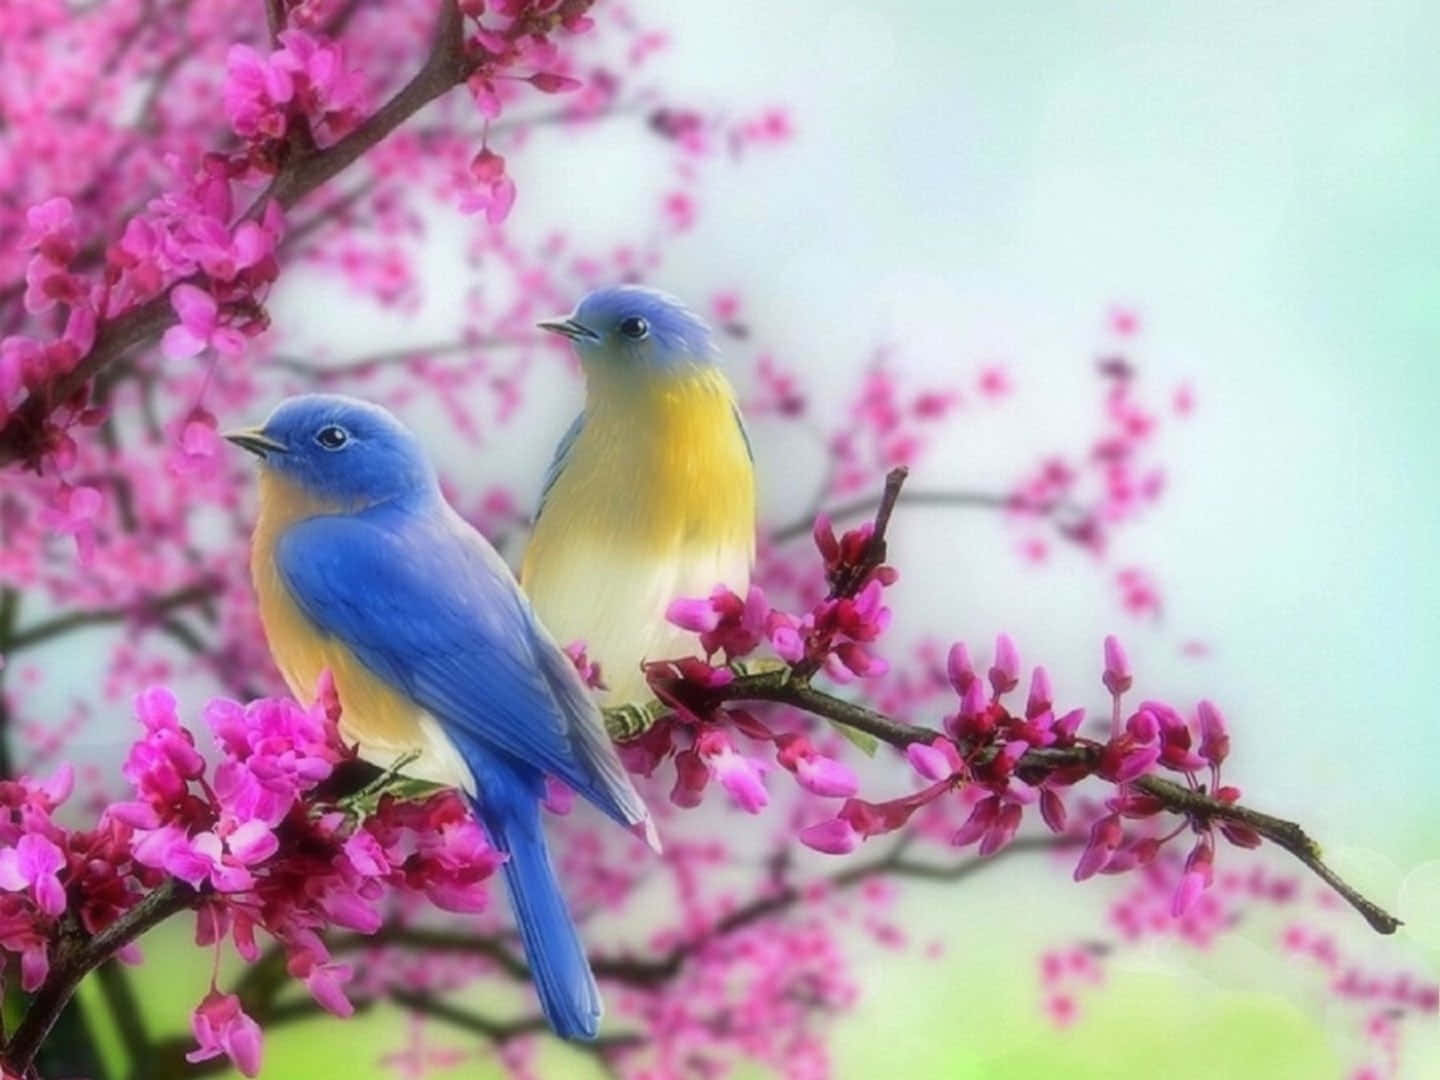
(986, 764)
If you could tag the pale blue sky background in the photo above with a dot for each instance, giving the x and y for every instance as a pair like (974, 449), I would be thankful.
(978, 182)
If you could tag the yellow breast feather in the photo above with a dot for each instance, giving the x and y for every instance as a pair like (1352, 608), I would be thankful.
(661, 464)
(384, 723)
(656, 500)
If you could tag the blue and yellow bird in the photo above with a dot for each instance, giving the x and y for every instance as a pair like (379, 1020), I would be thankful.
(651, 494)
(361, 567)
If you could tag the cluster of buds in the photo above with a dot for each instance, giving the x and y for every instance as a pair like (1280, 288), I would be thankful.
(982, 758)
(832, 636)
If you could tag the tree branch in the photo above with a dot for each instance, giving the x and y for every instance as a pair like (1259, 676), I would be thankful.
(778, 687)
(147, 607)
(363, 365)
(76, 955)
(649, 973)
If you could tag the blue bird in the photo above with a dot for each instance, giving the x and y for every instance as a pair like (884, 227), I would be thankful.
(361, 567)
(651, 495)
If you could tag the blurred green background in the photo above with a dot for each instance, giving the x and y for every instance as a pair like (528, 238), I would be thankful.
(977, 183)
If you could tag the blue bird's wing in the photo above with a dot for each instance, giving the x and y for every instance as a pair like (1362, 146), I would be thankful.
(558, 462)
(430, 608)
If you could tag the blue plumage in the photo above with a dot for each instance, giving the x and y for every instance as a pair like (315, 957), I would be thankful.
(427, 606)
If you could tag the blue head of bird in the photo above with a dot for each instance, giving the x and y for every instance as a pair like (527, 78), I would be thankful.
(632, 328)
(339, 450)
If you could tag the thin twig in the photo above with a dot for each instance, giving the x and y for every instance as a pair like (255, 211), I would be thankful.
(144, 608)
(1199, 805)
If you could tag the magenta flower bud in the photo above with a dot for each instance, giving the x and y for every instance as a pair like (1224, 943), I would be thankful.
(1240, 835)
(691, 776)
(756, 611)
(1005, 672)
(1143, 726)
(959, 669)
(1041, 696)
(834, 837)
(1117, 677)
(547, 82)
(1052, 810)
(981, 818)
(740, 778)
(859, 661)
(694, 614)
(1105, 839)
(221, 1026)
(929, 762)
(1007, 823)
(787, 642)
(1136, 763)
(1214, 738)
(974, 702)
(825, 541)
(1192, 884)
(1069, 724)
(825, 776)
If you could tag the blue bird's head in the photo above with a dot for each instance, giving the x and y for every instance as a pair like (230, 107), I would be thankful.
(638, 329)
(339, 449)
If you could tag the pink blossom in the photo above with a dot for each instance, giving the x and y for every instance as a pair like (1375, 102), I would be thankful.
(680, 210)
(825, 776)
(833, 837)
(221, 1026)
(493, 190)
(695, 615)
(199, 326)
(1117, 676)
(1005, 672)
(928, 761)
(550, 83)
(34, 862)
(738, 775)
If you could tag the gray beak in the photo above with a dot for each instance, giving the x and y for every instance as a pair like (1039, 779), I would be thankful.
(254, 440)
(568, 327)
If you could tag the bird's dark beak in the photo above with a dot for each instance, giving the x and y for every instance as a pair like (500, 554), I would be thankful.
(254, 440)
(568, 327)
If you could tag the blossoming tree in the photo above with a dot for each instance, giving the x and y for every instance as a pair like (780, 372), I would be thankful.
(166, 165)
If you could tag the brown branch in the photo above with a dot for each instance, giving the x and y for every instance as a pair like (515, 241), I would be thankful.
(849, 580)
(499, 1031)
(143, 608)
(363, 365)
(1196, 804)
(76, 955)
(645, 972)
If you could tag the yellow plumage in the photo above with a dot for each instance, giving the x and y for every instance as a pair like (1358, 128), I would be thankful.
(385, 724)
(656, 500)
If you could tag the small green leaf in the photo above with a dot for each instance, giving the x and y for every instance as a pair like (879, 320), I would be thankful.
(865, 742)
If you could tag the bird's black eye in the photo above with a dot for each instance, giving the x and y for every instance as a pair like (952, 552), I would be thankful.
(332, 437)
(634, 327)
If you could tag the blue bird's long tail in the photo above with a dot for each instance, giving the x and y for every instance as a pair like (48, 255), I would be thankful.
(562, 975)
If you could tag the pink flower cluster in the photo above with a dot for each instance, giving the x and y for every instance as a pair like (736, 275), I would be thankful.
(980, 759)
(832, 636)
(305, 80)
(254, 838)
